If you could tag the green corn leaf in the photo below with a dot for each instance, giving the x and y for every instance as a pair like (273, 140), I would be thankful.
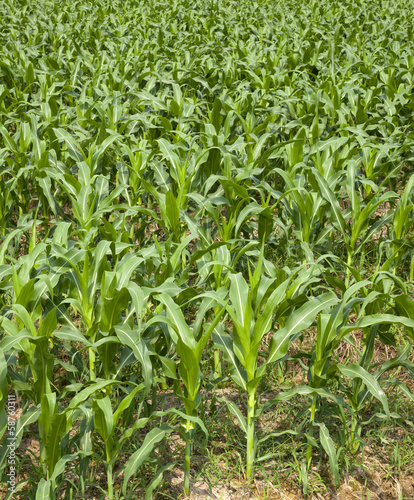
(103, 419)
(191, 418)
(329, 447)
(82, 396)
(188, 368)
(330, 197)
(60, 465)
(178, 320)
(43, 489)
(298, 321)
(132, 339)
(74, 149)
(60, 425)
(224, 343)
(237, 413)
(155, 481)
(137, 458)
(356, 371)
(112, 308)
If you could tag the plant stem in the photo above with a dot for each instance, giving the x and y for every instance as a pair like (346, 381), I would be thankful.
(348, 272)
(91, 352)
(412, 269)
(250, 437)
(187, 469)
(354, 433)
(164, 385)
(154, 394)
(110, 482)
(92, 375)
(218, 372)
(309, 448)
(217, 365)
(313, 408)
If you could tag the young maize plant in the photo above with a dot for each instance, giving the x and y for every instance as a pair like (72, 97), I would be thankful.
(190, 345)
(154, 153)
(252, 309)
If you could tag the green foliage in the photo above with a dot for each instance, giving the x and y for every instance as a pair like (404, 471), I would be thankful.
(187, 189)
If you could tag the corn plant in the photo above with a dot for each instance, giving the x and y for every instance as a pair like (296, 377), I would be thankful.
(145, 169)
(190, 346)
(252, 309)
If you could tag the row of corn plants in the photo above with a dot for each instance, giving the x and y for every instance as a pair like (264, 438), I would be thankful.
(187, 190)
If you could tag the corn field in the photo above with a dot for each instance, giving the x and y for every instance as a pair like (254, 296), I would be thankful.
(194, 196)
